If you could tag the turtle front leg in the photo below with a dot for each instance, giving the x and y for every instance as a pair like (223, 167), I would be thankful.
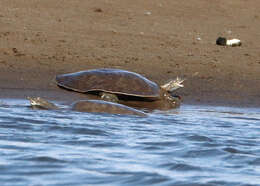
(173, 85)
(109, 97)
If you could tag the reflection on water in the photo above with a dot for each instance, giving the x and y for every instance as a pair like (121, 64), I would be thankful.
(194, 145)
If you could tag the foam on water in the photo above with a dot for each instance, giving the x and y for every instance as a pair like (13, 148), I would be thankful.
(194, 145)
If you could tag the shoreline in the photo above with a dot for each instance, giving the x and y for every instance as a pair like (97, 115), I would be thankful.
(68, 97)
(41, 39)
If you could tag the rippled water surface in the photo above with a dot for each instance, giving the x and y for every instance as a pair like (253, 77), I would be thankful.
(194, 145)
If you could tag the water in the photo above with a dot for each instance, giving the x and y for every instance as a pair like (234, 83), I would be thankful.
(194, 145)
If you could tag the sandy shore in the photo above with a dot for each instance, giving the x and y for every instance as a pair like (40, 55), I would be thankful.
(158, 39)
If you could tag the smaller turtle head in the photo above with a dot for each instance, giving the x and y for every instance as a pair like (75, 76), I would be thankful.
(34, 101)
(173, 85)
(37, 102)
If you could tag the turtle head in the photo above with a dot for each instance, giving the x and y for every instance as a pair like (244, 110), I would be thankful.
(173, 85)
(34, 101)
(37, 102)
(171, 100)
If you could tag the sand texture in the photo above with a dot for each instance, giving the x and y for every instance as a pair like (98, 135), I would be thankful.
(160, 39)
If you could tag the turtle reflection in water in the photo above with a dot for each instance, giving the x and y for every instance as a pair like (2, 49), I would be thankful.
(123, 87)
(98, 106)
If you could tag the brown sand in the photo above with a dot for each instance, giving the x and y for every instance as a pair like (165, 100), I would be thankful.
(159, 39)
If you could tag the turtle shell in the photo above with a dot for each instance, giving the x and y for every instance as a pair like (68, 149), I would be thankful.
(114, 81)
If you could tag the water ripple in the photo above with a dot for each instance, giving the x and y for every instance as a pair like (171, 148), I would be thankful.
(195, 145)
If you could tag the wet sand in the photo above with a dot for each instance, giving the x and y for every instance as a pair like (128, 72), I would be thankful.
(158, 39)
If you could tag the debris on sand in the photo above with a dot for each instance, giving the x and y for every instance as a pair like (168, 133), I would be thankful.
(148, 13)
(98, 10)
(224, 42)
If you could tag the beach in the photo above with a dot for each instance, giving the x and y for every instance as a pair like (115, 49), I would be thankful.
(158, 39)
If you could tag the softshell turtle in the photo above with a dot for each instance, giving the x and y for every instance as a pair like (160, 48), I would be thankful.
(125, 87)
(98, 106)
